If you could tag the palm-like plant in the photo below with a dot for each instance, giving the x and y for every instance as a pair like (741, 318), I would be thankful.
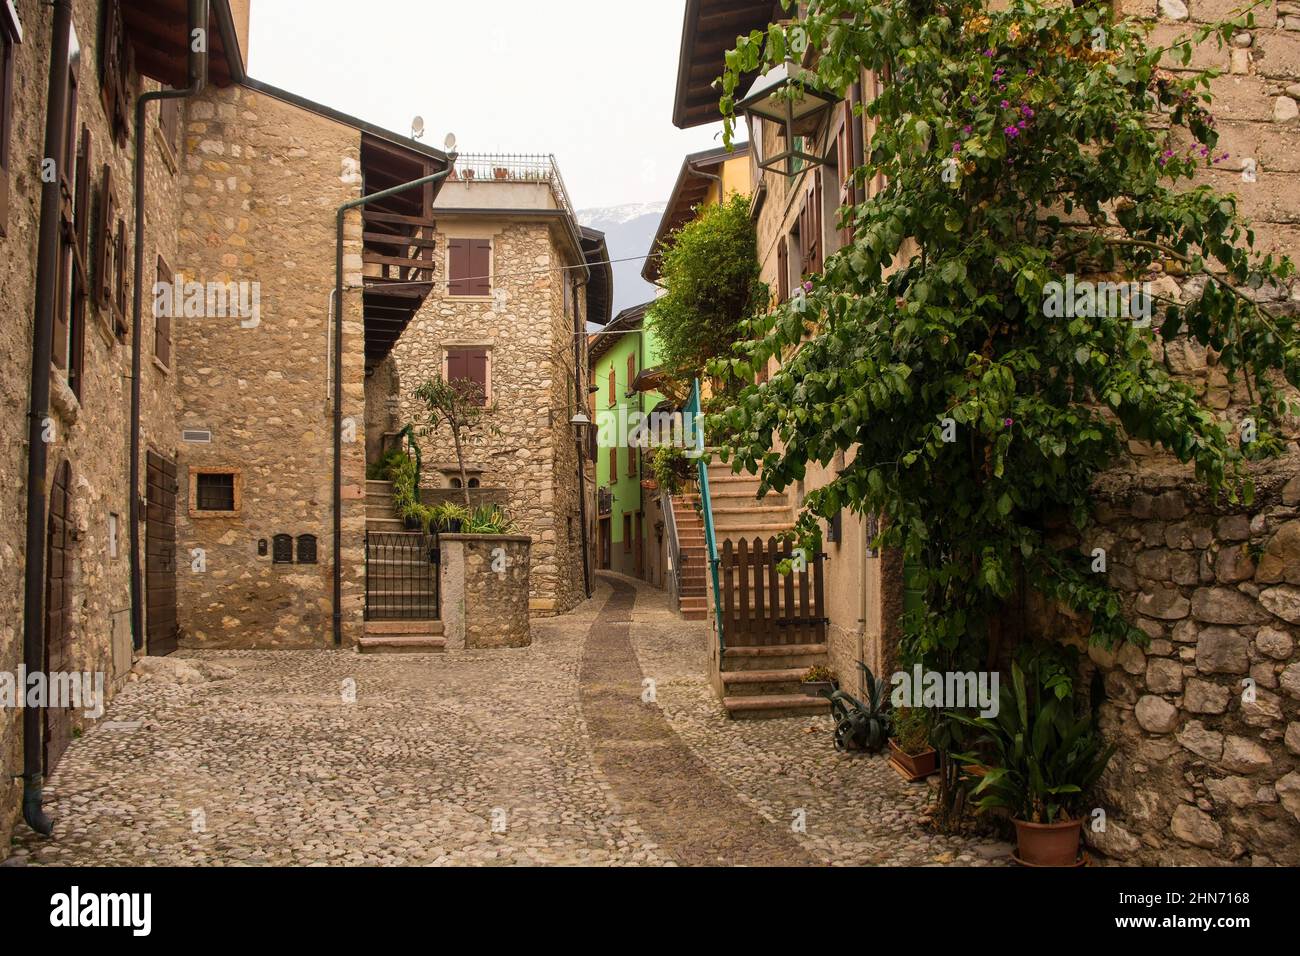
(860, 726)
(1044, 759)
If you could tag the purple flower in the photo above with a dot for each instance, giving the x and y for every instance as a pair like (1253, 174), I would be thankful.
(988, 53)
(1022, 125)
(1008, 422)
(1004, 104)
(966, 130)
(1011, 132)
(1027, 111)
(807, 286)
(1029, 72)
(956, 147)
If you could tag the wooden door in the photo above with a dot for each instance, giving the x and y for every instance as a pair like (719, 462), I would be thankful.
(606, 543)
(58, 606)
(160, 556)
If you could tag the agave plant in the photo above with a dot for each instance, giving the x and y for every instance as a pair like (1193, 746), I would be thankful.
(489, 519)
(1044, 759)
(860, 726)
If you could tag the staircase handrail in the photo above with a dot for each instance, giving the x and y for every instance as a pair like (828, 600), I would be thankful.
(693, 410)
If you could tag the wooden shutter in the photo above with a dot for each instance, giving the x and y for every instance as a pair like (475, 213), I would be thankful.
(476, 367)
(80, 256)
(631, 370)
(169, 121)
(162, 330)
(783, 270)
(105, 241)
(613, 465)
(846, 168)
(457, 366)
(115, 70)
(810, 227)
(119, 287)
(458, 267)
(480, 266)
(613, 387)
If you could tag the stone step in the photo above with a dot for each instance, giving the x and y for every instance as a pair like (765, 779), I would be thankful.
(402, 644)
(786, 681)
(385, 524)
(759, 707)
(425, 627)
(773, 657)
(747, 510)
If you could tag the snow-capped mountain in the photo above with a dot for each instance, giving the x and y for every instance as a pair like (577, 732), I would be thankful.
(629, 229)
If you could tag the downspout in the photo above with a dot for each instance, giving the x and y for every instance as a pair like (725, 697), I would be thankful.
(39, 408)
(198, 77)
(338, 373)
(580, 395)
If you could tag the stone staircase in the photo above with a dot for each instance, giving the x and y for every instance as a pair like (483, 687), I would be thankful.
(406, 636)
(752, 682)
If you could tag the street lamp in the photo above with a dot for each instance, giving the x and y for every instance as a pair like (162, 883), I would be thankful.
(786, 97)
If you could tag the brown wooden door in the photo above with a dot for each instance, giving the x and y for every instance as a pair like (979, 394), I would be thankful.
(58, 606)
(160, 556)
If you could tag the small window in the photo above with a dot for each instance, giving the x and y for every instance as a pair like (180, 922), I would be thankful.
(112, 536)
(164, 305)
(469, 267)
(282, 549)
(216, 492)
(306, 549)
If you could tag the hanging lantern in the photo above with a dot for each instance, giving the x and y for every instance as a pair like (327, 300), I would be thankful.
(786, 98)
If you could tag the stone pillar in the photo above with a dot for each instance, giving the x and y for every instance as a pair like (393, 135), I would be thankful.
(484, 596)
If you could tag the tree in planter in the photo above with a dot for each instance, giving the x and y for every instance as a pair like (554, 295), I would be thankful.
(461, 408)
(1018, 150)
(710, 273)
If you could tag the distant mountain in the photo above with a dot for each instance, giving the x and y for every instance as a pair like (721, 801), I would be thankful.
(629, 230)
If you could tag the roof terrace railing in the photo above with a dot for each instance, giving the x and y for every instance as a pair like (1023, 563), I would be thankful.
(517, 168)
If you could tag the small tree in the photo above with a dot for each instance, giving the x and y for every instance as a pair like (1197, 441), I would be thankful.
(710, 272)
(460, 407)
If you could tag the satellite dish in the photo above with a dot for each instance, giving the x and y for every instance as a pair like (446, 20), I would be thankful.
(417, 128)
(450, 143)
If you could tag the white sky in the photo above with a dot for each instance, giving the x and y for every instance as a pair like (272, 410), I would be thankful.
(591, 81)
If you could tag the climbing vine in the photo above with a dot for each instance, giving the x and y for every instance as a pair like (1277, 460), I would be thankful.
(1022, 150)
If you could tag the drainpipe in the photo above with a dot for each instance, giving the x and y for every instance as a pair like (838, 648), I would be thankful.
(338, 373)
(47, 256)
(198, 77)
(580, 395)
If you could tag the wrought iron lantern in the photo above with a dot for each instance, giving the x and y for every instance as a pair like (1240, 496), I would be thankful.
(787, 98)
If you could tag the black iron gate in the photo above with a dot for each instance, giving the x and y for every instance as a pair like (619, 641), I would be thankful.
(402, 580)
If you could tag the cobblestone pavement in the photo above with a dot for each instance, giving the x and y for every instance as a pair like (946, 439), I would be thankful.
(543, 755)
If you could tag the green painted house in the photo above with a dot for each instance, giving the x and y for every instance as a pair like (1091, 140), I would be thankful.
(624, 357)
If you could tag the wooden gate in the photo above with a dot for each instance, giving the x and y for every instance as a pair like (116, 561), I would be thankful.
(760, 605)
(58, 607)
(160, 556)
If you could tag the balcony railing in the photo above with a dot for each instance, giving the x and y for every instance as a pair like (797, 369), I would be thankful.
(515, 168)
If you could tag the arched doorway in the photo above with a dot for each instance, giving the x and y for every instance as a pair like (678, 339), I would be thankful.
(58, 609)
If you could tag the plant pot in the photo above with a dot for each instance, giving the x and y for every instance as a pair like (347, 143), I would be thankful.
(817, 688)
(1048, 844)
(914, 766)
(413, 524)
(451, 527)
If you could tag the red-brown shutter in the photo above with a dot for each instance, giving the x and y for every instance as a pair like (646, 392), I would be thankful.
(613, 465)
(119, 287)
(783, 270)
(80, 255)
(631, 370)
(613, 388)
(458, 267)
(105, 218)
(480, 266)
(476, 367)
(457, 367)
(162, 337)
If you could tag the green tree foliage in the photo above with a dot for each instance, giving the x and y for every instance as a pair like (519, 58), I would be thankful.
(710, 272)
(1018, 148)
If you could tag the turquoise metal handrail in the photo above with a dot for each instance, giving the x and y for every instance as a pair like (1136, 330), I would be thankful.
(706, 509)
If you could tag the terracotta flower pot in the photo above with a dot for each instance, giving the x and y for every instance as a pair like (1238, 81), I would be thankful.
(1048, 844)
(913, 766)
(817, 688)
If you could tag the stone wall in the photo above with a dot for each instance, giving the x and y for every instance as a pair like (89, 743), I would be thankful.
(485, 590)
(529, 339)
(90, 432)
(262, 180)
(1207, 716)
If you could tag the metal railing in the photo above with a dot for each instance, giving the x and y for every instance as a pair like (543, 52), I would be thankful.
(516, 168)
(402, 580)
(706, 510)
(674, 546)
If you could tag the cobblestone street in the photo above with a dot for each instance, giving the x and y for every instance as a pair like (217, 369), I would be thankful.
(545, 755)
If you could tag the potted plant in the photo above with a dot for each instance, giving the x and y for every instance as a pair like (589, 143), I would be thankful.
(448, 518)
(1041, 762)
(910, 752)
(489, 519)
(819, 682)
(860, 726)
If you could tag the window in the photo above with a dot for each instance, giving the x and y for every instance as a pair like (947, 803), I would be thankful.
(110, 258)
(115, 70)
(631, 371)
(282, 549)
(112, 536)
(627, 534)
(613, 465)
(470, 365)
(162, 326)
(74, 229)
(810, 227)
(846, 167)
(306, 549)
(469, 267)
(216, 492)
(613, 388)
(11, 34)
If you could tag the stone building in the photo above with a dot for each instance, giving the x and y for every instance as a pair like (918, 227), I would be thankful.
(519, 280)
(233, 423)
(1208, 768)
